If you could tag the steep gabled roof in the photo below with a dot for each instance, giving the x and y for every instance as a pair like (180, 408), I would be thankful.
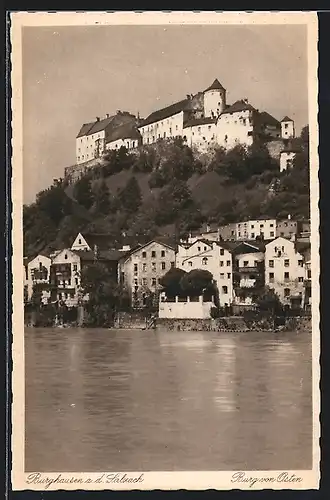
(102, 241)
(163, 113)
(126, 131)
(216, 85)
(162, 241)
(239, 106)
(254, 246)
(85, 129)
(286, 119)
(199, 121)
(267, 119)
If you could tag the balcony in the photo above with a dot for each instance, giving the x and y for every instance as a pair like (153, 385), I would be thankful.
(249, 269)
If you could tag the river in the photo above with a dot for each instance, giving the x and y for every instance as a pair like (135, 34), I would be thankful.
(119, 400)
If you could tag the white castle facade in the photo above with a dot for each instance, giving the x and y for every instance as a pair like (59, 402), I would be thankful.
(202, 120)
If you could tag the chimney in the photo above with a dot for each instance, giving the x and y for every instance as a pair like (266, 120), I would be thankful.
(188, 97)
(97, 118)
(108, 115)
(96, 252)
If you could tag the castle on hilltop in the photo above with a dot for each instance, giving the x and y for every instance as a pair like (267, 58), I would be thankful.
(201, 120)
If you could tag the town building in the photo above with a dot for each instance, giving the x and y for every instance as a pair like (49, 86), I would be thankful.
(287, 228)
(212, 256)
(285, 270)
(262, 228)
(141, 269)
(67, 267)
(287, 157)
(37, 272)
(248, 274)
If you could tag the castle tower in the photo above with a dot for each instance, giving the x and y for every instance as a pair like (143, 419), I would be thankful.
(287, 128)
(214, 100)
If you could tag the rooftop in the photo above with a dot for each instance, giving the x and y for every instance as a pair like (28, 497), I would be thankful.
(199, 121)
(241, 105)
(216, 85)
(163, 113)
(286, 119)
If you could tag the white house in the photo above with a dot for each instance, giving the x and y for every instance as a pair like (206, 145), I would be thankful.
(212, 256)
(251, 229)
(236, 125)
(285, 270)
(37, 272)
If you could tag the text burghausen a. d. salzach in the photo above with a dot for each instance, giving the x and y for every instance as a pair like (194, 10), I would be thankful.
(283, 477)
(61, 479)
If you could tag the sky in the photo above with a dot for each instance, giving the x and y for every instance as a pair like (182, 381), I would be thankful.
(73, 74)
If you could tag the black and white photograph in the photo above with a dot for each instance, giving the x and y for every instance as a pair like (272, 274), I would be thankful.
(165, 251)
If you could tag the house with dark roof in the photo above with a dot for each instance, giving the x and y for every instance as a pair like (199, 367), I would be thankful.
(213, 256)
(141, 269)
(93, 137)
(286, 271)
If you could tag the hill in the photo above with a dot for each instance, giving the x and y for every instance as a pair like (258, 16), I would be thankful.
(167, 190)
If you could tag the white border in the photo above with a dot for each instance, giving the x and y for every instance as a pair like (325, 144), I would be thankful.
(199, 480)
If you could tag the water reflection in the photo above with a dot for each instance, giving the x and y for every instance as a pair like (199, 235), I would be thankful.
(142, 400)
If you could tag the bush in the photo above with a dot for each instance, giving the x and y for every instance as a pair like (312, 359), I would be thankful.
(215, 313)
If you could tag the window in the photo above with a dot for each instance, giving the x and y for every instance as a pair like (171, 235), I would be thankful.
(224, 289)
(256, 263)
(75, 267)
(153, 254)
(205, 261)
(271, 263)
(153, 282)
(144, 255)
(271, 234)
(239, 234)
(176, 127)
(135, 268)
(245, 263)
(205, 248)
(261, 225)
(282, 234)
(286, 276)
(271, 225)
(222, 276)
(153, 266)
(228, 262)
(163, 253)
(271, 277)
(66, 256)
(199, 249)
(144, 267)
(300, 263)
(286, 262)
(209, 127)
(172, 264)
(309, 274)
(144, 281)
(300, 279)
(163, 265)
(228, 275)
(285, 125)
(286, 292)
(252, 236)
(221, 263)
(76, 281)
(222, 252)
(252, 226)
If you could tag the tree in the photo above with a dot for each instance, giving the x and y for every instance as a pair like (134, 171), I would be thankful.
(83, 192)
(196, 282)
(130, 197)
(104, 293)
(171, 281)
(54, 202)
(268, 302)
(102, 202)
